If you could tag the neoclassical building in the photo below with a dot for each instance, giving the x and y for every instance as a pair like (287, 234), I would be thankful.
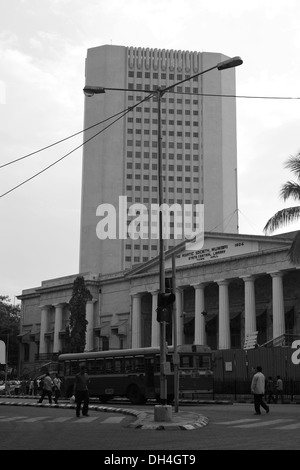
(232, 285)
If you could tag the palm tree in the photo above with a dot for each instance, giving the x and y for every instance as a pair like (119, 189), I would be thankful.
(291, 190)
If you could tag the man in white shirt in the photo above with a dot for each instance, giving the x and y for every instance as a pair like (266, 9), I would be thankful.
(258, 390)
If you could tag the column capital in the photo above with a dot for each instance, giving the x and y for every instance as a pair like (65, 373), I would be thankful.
(60, 304)
(136, 295)
(46, 307)
(276, 273)
(248, 277)
(200, 285)
(153, 292)
(223, 282)
(92, 301)
(179, 289)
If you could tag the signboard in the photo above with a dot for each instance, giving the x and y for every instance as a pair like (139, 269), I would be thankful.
(216, 249)
(251, 340)
(2, 352)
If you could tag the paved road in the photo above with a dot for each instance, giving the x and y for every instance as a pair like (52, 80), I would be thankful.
(230, 427)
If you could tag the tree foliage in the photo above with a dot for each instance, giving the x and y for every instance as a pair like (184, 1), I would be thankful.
(75, 331)
(289, 190)
(10, 328)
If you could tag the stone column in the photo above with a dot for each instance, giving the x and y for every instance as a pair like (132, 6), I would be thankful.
(136, 321)
(224, 319)
(278, 304)
(155, 326)
(179, 315)
(89, 335)
(44, 328)
(57, 343)
(200, 335)
(250, 310)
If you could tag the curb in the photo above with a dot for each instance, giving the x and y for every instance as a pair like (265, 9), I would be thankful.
(142, 421)
(184, 426)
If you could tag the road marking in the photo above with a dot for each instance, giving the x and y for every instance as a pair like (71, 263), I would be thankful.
(33, 420)
(289, 426)
(85, 420)
(239, 421)
(263, 423)
(58, 420)
(113, 419)
(14, 418)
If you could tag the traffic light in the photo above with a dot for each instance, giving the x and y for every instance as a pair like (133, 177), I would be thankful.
(165, 306)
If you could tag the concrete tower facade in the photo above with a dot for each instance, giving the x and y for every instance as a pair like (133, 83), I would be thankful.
(199, 151)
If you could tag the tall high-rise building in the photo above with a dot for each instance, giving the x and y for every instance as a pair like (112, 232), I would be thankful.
(120, 165)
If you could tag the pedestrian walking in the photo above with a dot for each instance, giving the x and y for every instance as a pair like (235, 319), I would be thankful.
(31, 387)
(81, 392)
(56, 388)
(258, 390)
(47, 388)
(35, 387)
(279, 389)
(270, 390)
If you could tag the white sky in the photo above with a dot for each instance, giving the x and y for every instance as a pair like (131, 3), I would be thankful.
(43, 45)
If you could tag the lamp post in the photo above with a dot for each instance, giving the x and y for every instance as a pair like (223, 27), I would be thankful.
(158, 93)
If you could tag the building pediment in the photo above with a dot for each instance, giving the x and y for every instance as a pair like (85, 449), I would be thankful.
(215, 246)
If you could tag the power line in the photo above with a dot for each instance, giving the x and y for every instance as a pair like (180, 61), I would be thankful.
(60, 141)
(123, 113)
(79, 146)
(120, 112)
(239, 96)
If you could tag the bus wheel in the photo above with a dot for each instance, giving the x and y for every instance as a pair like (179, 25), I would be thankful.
(105, 398)
(135, 396)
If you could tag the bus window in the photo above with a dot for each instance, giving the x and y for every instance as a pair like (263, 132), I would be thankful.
(139, 364)
(202, 362)
(118, 365)
(66, 368)
(170, 360)
(100, 366)
(186, 361)
(157, 364)
(91, 366)
(73, 367)
(129, 365)
(109, 365)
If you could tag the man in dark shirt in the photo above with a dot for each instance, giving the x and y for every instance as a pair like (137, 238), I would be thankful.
(81, 392)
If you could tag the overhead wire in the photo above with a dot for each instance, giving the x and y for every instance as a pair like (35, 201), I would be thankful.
(121, 114)
(60, 141)
(79, 146)
(238, 96)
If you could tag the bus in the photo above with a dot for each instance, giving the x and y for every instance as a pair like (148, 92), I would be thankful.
(135, 373)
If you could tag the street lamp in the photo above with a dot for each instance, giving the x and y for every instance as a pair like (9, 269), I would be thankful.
(159, 92)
